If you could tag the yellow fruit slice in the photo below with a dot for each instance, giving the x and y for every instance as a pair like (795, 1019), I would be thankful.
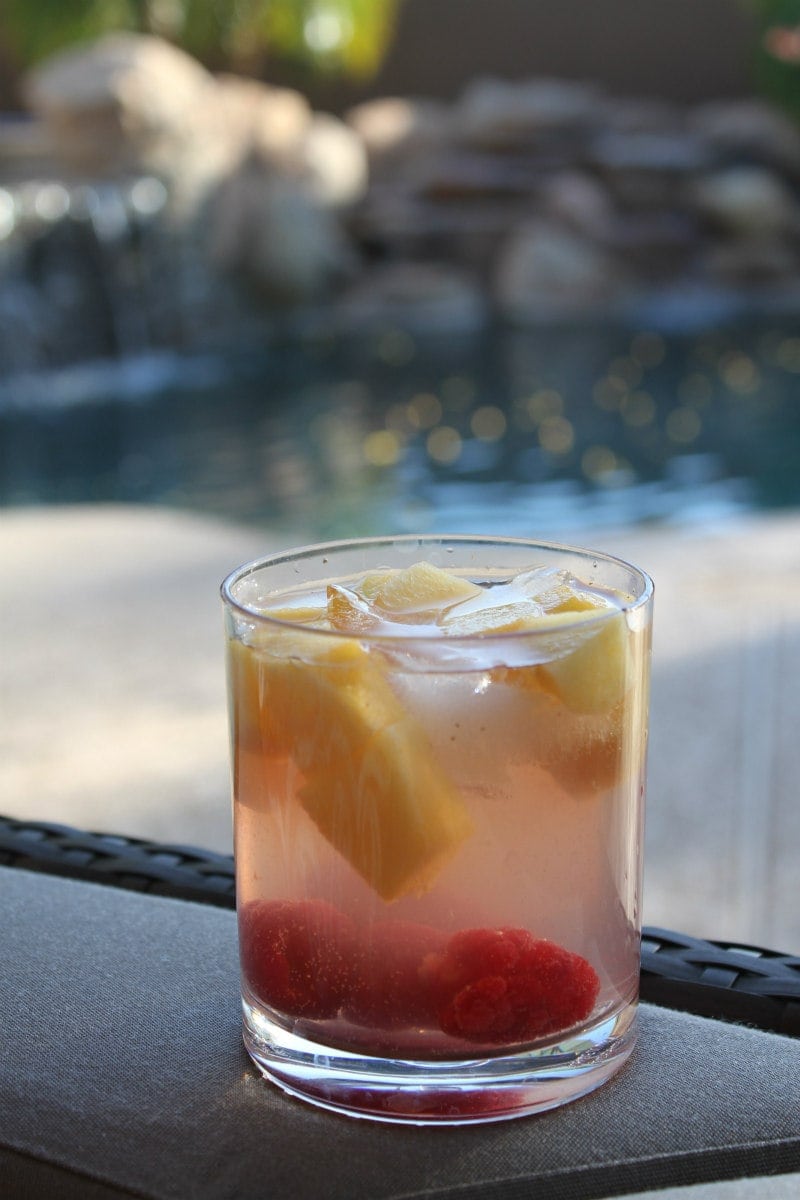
(349, 613)
(497, 618)
(390, 811)
(371, 784)
(261, 677)
(298, 615)
(371, 583)
(593, 677)
(567, 601)
(588, 667)
(419, 590)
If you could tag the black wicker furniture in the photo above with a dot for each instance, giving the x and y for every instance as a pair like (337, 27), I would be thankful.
(723, 980)
(123, 1073)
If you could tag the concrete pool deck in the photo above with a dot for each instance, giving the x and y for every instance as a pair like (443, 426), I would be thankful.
(113, 707)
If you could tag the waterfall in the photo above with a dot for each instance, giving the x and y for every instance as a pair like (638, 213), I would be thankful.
(80, 267)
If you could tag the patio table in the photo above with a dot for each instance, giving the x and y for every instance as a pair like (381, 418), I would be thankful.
(122, 1071)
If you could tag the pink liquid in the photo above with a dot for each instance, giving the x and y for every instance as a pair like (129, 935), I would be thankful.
(528, 928)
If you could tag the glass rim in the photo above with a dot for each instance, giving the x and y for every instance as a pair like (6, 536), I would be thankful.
(282, 557)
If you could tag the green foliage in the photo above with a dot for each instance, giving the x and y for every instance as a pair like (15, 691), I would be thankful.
(36, 30)
(777, 53)
(343, 37)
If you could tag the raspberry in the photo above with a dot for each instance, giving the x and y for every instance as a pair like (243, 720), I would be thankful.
(296, 955)
(389, 988)
(505, 985)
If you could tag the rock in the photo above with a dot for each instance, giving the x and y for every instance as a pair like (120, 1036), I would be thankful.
(749, 202)
(334, 162)
(270, 230)
(473, 175)
(579, 202)
(546, 272)
(646, 170)
(130, 103)
(749, 129)
(565, 199)
(26, 149)
(393, 128)
(635, 114)
(417, 297)
(126, 102)
(243, 116)
(498, 114)
(667, 152)
(247, 164)
(255, 116)
(656, 243)
(744, 263)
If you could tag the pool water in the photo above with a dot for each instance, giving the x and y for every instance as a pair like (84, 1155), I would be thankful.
(524, 432)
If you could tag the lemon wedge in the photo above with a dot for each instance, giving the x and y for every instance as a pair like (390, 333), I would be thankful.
(371, 783)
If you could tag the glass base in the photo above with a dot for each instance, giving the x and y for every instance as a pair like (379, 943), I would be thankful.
(461, 1092)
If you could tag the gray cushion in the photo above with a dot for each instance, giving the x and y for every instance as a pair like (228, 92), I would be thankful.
(774, 1187)
(122, 1072)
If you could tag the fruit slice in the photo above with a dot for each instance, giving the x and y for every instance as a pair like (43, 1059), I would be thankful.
(388, 808)
(349, 613)
(298, 614)
(274, 715)
(371, 784)
(418, 591)
(496, 618)
(592, 678)
(587, 648)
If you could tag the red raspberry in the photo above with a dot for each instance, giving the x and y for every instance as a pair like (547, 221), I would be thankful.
(296, 955)
(505, 985)
(390, 989)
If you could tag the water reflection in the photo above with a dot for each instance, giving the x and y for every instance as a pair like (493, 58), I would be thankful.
(528, 432)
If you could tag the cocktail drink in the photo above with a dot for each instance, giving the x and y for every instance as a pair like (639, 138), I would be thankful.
(438, 750)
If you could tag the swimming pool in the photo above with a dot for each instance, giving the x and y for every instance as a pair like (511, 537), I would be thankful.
(526, 432)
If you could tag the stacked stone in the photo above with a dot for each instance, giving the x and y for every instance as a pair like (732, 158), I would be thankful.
(563, 202)
(533, 201)
(251, 172)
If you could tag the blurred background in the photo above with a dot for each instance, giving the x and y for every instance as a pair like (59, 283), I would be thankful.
(285, 270)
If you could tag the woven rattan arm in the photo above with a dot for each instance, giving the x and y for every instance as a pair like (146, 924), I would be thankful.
(182, 872)
(713, 979)
(726, 980)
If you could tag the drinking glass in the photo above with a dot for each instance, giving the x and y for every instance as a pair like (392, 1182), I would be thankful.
(438, 760)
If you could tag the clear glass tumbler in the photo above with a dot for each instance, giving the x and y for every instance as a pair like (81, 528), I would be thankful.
(438, 758)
